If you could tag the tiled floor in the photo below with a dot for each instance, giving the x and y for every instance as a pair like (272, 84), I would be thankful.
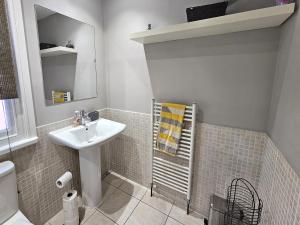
(128, 203)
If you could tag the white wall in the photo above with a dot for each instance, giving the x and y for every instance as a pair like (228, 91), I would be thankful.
(85, 11)
(229, 76)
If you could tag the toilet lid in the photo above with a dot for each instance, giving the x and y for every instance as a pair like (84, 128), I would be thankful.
(18, 219)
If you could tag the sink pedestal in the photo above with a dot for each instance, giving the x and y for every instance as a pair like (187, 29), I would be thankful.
(87, 140)
(90, 173)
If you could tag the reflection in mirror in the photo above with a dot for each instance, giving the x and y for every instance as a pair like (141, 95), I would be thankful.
(68, 57)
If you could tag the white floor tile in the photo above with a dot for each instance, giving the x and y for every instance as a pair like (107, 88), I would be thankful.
(171, 221)
(118, 206)
(181, 216)
(158, 202)
(99, 219)
(85, 213)
(58, 219)
(133, 189)
(114, 180)
(107, 190)
(146, 215)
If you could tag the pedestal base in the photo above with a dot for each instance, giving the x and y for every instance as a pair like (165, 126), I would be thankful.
(90, 173)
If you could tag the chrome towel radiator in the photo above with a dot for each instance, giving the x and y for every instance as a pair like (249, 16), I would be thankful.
(174, 172)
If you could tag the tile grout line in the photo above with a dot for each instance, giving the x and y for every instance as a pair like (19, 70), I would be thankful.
(99, 211)
(118, 188)
(97, 207)
(89, 217)
(107, 217)
(169, 214)
(172, 217)
(132, 212)
(155, 208)
(139, 201)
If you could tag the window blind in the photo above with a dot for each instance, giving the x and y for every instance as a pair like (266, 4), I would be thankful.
(8, 87)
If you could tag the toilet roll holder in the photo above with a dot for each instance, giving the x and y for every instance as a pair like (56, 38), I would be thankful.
(70, 182)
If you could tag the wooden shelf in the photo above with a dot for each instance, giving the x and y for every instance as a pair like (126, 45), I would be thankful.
(57, 51)
(250, 20)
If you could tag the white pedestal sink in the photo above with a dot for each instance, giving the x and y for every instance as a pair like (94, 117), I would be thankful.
(87, 140)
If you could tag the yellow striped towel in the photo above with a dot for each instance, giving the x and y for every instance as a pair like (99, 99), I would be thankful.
(171, 122)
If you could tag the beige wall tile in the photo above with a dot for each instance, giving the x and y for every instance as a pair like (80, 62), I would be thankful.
(38, 166)
(221, 154)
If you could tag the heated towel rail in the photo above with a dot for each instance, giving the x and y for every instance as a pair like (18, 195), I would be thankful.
(174, 172)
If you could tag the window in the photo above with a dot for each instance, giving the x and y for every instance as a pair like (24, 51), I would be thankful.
(7, 118)
(17, 115)
(2, 117)
(12, 123)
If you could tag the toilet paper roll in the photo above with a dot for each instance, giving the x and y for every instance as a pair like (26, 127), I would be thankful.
(64, 179)
(70, 206)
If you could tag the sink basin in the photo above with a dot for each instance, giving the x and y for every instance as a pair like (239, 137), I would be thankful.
(87, 140)
(85, 137)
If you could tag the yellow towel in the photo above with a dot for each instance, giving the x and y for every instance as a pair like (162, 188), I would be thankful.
(169, 132)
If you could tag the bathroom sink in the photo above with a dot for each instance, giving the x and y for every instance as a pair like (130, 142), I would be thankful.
(87, 140)
(85, 137)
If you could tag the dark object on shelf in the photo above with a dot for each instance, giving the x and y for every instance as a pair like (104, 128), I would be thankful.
(206, 11)
(46, 45)
(93, 115)
(149, 26)
(242, 206)
(69, 44)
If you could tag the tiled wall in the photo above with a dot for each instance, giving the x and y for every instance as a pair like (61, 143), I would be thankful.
(279, 188)
(130, 152)
(38, 167)
(221, 154)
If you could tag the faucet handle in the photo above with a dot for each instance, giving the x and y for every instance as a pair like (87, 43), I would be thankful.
(82, 113)
(76, 114)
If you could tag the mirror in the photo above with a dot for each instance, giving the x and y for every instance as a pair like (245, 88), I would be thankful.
(68, 57)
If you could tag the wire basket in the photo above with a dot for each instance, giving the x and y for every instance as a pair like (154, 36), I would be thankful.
(244, 206)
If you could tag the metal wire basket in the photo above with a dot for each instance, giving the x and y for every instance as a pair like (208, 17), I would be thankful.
(244, 206)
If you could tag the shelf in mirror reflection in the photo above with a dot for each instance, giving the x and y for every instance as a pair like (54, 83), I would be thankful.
(56, 51)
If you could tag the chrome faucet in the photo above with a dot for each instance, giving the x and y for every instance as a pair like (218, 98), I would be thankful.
(83, 118)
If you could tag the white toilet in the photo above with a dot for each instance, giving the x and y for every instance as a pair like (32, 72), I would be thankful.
(9, 208)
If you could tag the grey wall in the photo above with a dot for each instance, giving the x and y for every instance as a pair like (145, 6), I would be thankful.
(85, 11)
(229, 76)
(284, 124)
(80, 69)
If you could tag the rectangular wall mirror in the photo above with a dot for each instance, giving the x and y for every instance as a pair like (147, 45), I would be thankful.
(68, 57)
